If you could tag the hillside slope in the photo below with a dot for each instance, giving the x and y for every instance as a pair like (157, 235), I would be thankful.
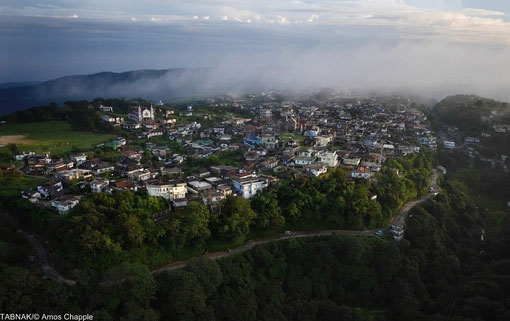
(153, 84)
(471, 114)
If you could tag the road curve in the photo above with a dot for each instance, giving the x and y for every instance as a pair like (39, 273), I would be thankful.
(398, 220)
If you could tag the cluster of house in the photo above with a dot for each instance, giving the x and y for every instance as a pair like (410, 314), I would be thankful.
(280, 136)
(209, 186)
(52, 194)
(358, 137)
(471, 146)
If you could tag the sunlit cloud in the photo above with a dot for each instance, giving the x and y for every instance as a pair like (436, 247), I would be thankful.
(312, 18)
(346, 42)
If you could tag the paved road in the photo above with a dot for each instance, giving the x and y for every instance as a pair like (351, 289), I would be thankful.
(398, 220)
(404, 210)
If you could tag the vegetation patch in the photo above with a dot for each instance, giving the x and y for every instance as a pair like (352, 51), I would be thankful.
(56, 137)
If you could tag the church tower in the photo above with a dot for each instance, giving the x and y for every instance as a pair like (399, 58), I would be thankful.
(152, 113)
(140, 113)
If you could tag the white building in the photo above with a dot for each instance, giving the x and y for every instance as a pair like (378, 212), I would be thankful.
(354, 161)
(154, 133)
(32, 196)
(360, 174)
(79, 158)
(317, 169)
(199, 186)
(328, 158)
(322, 141)
(472, 140)
(98, 185)
(139, 115)
(64, 204)
(388, 148)
(108, 119)
(265, 113)
(269, 141)
(168, 190)
(247, 187)
(139, 175)
(103, 167)
(303, 160)
(106, 108)
(449, 144)
(71, 174)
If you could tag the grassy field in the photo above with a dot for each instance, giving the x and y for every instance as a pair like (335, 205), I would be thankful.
(13, 186)
(287, 136)
(52, 136)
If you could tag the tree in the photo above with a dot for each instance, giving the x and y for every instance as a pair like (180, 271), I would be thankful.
(181, 297)
(135, 233)
(18, 290)
(132, 282)
(207, 272)
(233, 218)
(269, 213)
(130, 288)
(13, 148)
(81, 117)
(189, 226)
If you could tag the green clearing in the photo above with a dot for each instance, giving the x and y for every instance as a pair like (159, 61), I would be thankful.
(56, 137)
(288, 136)
(12, 186)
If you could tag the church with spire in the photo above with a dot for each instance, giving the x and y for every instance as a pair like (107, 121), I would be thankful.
(138, 115)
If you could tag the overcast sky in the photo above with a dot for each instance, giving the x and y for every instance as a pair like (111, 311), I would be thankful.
(383, 44)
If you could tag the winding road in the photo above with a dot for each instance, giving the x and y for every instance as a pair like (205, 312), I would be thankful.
(398, 220)
(50, 272)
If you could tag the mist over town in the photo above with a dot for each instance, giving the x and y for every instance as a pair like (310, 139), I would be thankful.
(255, 160)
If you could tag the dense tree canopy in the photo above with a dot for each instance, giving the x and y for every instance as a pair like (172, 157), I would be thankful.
(436, 273)
(440, 271)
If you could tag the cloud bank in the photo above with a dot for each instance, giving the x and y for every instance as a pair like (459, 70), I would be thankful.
(433, 47)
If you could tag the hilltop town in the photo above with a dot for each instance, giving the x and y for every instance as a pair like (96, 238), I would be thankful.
(217, 147)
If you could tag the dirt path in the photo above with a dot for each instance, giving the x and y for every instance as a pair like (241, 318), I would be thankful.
(42, 254)
(14, 139)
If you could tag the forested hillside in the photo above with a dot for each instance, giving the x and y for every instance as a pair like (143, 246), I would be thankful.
(471, 114)
(440, 271)
(111, 229)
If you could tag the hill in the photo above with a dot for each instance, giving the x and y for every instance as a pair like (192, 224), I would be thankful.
(471, 114)
(7, 85)
(152, 84)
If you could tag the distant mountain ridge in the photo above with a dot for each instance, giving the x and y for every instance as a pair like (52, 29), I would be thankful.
(151, 84)
(7, 85)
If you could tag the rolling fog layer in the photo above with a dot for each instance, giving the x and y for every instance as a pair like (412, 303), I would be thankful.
(229, 57)
(430, 69)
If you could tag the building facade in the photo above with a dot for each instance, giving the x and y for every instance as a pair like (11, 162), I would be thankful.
(168, 190)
